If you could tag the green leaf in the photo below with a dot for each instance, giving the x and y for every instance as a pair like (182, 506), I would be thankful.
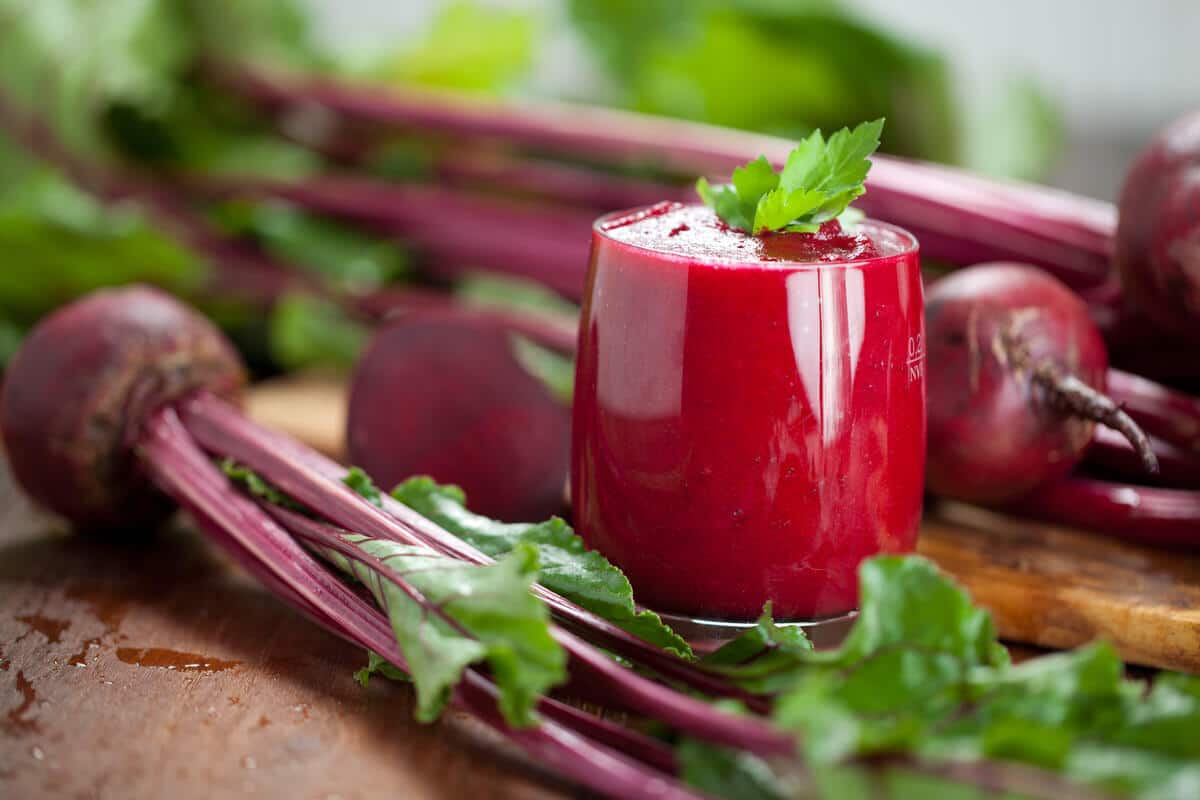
(72, 59)
(11, 335)
(784, 68)
(780, 209)
(1018, 134)
(765, 637)
(361, 483)
(447, 614)
(921, 673)
(346, 257)
(466, 614)
(567, 566)
(554, 370)
(471, 47)
(306, 331)
(728, 204)
(764, 657)
(492, 290)
(278, 33)
(59, 243)
(727, 773)
(118, 79)
(755, 178)
(378, 665)
(903, 668)
(818, 182)
(906, 601)
(253, 483)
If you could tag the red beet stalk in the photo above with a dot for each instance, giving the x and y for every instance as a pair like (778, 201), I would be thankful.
(1148, 515)
(1163, 412)
(1177, 467)
(317, 481)
(185, 472)
(243, 270)
(455, 229)
(538, 178)
(957, 217)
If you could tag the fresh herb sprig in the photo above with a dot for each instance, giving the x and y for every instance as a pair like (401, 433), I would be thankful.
(818, 182)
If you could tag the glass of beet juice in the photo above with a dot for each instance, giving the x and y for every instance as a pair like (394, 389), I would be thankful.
(749, 412)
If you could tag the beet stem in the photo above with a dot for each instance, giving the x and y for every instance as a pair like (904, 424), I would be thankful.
(1166, 413)
(1177, 467)
(177, 464)
(219, 429)
(298, 469)
(457, 229)
(1149, 515)
(957, 216)
(321, 535)
(181, 469)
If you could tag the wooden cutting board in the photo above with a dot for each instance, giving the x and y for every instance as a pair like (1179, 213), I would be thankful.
(149, 668)
(1046, 586)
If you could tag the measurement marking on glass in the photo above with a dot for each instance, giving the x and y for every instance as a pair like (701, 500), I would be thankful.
(916, 358)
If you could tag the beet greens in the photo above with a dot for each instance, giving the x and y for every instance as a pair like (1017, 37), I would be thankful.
(920, 677)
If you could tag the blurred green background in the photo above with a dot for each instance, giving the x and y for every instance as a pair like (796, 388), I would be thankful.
(1057, 92)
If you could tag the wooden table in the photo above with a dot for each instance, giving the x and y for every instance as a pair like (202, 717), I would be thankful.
(150, 669)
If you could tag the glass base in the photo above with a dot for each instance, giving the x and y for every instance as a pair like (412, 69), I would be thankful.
(706, 635)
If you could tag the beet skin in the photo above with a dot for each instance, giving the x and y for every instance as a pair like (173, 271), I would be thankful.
(82, 382)
(1157, 249)
(995, 432)
(440, 393)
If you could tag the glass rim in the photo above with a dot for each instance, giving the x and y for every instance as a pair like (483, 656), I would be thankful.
(908, 245)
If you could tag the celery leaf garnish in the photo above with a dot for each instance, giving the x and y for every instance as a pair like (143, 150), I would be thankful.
(818, 182)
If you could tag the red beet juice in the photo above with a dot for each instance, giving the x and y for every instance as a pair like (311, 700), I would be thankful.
(749, 413)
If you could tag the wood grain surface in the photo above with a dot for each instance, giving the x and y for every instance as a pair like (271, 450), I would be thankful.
(149, 668)
(1059, 588)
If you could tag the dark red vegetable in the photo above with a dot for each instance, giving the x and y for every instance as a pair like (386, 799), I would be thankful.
(78, 389)
(1158, 231)
(442, 394)
(1016, 381)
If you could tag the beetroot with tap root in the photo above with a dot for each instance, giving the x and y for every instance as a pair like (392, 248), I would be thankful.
(82, 383)
(1016, 382)
(442, 394)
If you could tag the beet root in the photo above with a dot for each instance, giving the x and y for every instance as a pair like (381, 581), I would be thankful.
(1157, 247)
(79, 388)
(441, 393)
(1016, 375)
